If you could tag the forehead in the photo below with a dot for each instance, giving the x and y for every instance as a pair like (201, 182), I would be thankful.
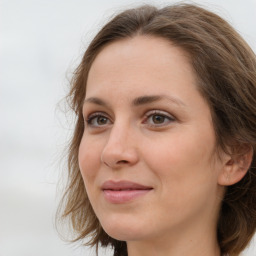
(139, 60)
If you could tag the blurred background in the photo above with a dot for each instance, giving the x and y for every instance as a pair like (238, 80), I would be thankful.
(42, 41)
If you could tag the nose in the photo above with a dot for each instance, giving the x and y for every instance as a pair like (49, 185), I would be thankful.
(120, 149)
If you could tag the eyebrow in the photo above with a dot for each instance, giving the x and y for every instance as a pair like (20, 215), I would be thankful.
(96, 101)
(153, 98)
(142, 100)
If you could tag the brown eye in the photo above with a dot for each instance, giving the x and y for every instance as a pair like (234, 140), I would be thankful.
(97, 120)
(158, 119)
(101, 120)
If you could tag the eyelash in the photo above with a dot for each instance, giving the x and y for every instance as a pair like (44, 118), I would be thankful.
(159, 113)
(148, 115)
(93, 116)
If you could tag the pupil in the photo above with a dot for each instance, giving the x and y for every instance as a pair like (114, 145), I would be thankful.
(102, 120)
(158, 119)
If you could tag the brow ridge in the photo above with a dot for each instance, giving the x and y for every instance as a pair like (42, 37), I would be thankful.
(142, 100)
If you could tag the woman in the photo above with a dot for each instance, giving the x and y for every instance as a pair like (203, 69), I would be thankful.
(162, 158)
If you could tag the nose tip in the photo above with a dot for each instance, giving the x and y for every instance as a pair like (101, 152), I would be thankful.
(120, 150)
(115, 158)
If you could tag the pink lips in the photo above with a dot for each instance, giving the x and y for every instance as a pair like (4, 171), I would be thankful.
(123, 191)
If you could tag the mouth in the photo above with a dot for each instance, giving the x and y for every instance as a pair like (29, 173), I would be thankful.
(123, 191)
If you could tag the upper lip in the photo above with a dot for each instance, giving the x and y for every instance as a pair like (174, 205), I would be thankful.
(123, 185)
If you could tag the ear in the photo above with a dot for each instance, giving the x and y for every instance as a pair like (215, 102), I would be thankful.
(235, 166)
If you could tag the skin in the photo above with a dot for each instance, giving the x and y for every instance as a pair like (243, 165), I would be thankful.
(167, 144)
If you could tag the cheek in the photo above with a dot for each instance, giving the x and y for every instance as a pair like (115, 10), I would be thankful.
(89, 159)
(184, 169)
(184, 158)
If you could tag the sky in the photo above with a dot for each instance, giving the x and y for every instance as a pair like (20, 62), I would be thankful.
(42, 41)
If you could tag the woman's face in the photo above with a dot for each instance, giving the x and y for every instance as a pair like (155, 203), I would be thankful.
(147, 152)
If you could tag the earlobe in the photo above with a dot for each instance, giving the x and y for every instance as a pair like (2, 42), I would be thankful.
(236, 167)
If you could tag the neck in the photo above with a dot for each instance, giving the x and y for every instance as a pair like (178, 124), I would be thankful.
(154, 249)
(180, 243)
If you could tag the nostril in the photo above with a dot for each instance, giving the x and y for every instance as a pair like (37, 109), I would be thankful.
(122, 162)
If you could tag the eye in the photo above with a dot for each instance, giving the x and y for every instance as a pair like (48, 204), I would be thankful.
(97, 120)
(158, 118)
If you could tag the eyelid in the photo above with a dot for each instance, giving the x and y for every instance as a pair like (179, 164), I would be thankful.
(94, 114)
(159, 112)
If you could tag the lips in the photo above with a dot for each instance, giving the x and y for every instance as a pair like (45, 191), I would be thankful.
(123, 191)
(123, 185)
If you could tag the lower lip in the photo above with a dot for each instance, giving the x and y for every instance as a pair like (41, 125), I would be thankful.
(123, 196)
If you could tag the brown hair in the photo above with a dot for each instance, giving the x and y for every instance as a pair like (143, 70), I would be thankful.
(226, 70)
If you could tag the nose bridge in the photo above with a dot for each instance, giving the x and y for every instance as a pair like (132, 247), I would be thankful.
(120, 136)
(120, 146)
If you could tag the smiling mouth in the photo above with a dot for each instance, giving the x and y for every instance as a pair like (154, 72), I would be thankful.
(123, 191)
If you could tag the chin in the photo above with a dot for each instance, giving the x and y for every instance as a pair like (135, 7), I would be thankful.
(123, 230)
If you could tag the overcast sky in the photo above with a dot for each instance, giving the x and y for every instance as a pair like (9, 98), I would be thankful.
(41, 43)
